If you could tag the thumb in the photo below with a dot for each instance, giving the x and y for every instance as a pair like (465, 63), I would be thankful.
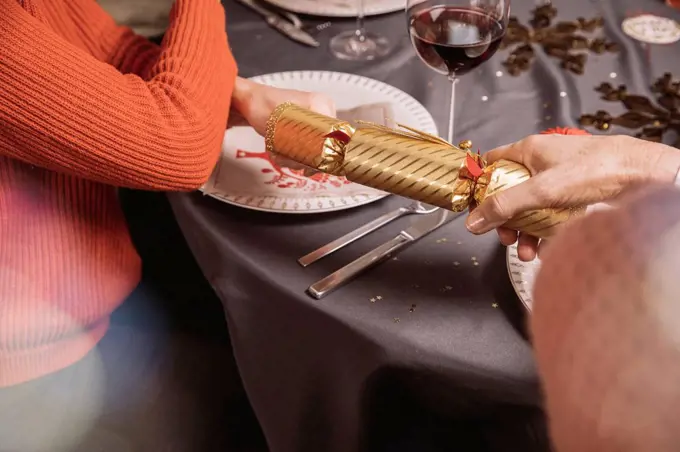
(502, 206)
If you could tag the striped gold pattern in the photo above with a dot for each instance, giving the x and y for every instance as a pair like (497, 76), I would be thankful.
(405, 164)
(504, 174)
(302, 135)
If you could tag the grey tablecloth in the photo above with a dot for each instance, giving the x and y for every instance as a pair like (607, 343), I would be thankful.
(442, 331)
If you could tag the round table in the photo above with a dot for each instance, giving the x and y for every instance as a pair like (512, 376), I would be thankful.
(439, 325)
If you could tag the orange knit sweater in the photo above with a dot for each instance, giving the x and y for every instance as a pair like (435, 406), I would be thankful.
(85, 106)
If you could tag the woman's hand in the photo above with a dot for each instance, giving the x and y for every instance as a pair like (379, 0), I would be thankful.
(253, 103)
(570, 171)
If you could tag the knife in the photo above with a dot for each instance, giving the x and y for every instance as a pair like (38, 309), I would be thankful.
(284, 26)
(408, 236)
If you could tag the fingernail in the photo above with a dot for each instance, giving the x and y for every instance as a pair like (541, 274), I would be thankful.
(475, 222)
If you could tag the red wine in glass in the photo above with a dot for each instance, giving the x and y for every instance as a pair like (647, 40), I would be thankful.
(454, 40)
(453, 37)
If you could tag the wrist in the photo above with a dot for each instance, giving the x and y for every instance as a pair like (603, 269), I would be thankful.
(242, 94)
(666, 166)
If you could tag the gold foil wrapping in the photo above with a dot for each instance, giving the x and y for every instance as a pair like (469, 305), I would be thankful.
(302, 135)
(403, 162)
(504, 174)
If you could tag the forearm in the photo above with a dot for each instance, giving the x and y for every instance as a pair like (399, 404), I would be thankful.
(63, 110)
(109, 42)
(653, 162)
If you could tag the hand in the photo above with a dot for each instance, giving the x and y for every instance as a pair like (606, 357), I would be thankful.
(253, 103)
(570, 171)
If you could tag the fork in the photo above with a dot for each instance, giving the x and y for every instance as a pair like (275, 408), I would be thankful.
(416, 208)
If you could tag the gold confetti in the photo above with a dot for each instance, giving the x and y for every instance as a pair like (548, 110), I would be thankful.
(412, 308)
(448, 287)
(379, 297)
(475, 263)
(396, 320)
(372, 300)
(494, 305)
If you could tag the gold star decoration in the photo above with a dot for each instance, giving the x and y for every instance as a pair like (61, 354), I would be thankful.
(494, 305)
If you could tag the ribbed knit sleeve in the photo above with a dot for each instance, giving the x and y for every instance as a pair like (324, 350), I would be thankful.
(64, 110)
(107, 41)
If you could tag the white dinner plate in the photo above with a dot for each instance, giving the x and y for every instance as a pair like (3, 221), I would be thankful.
(339, 8)
(245, 176)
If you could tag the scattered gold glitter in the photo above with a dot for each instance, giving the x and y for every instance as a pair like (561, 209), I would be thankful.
(379, 297)
(456, 264)
(396, 320)
(473, 258)
(442, 240)
(495, 305)
(412, 308)
(372, 300)
(475, 263)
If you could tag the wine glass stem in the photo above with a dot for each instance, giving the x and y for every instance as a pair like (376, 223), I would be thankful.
(361, 31)
(452, 107)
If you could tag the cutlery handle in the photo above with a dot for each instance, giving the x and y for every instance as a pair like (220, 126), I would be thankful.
(350, 271)
(351, 237)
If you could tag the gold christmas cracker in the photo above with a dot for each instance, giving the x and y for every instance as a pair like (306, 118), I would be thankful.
(404, 162)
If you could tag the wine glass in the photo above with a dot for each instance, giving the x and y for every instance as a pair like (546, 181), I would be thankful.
(453, 37)
(359, 45)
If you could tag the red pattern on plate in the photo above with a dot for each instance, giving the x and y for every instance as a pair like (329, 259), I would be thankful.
(284, 177)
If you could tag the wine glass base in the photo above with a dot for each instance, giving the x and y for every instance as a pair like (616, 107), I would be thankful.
(352, 46)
